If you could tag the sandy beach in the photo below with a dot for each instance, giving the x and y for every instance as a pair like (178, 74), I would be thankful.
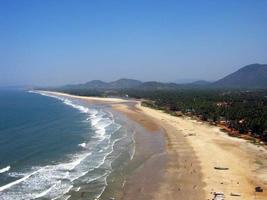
(197, 160)
(246, 162)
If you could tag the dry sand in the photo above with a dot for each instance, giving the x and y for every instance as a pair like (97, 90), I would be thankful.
(193, 149)
(92, 99)
(247, 163)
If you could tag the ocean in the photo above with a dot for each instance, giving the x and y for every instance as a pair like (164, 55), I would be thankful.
(54, 148)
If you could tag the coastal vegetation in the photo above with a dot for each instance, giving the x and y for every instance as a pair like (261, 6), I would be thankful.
(239, 112)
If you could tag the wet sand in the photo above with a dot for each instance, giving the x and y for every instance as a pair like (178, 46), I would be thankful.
(185, 168)
(173, 174)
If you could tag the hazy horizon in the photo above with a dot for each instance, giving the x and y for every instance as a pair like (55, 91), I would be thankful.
(51, 43)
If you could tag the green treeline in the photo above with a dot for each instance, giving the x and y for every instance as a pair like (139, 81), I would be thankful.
(244, 111)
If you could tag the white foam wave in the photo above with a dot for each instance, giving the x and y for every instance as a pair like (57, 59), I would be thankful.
(16, 174)
(83, 145)
(46, 177)
(103, 189)
(44, 192)
(133, 148)
(77, 189)
(97, 119)
(45, 94)
(66, 101)
(98, 177)
(64, 192)
(74, 164)
(5, 169)
(81, 165)
(16, 182)
(81, 108)
(67, 197)
(100, 125)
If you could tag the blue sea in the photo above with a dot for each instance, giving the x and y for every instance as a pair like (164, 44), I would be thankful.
(52, 146)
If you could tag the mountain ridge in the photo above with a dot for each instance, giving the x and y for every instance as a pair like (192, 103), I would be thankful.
(253, 76)
(249, 76)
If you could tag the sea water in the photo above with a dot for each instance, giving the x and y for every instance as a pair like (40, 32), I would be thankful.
(52, 146)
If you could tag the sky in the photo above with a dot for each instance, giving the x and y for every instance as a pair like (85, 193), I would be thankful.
(56, 42)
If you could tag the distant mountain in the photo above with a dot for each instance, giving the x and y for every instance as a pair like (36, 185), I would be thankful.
(96, 84)
(153, 85)
(101, 85)
(200, 83)
(251, 76)
(185, 80)
(125, 83)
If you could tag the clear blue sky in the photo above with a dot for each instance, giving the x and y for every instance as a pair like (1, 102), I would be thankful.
(53, 42)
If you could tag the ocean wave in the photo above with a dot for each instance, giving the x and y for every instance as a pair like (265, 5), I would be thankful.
(67, 101)
(48, 181)
(9, 185)
(132, 153)
(100, 128)
(81, 108)
(5, 169)
(55, 181)
(44, 192)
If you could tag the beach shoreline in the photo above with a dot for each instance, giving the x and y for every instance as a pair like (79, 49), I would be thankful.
(195, 153)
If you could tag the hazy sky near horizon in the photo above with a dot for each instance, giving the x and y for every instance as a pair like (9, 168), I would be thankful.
(54, 42)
